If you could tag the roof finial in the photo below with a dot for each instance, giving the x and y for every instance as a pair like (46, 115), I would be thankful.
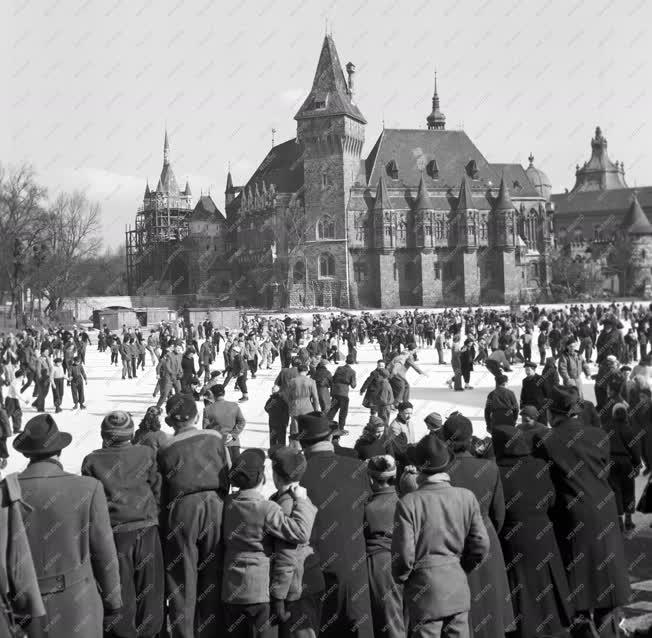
(436, 120)
(273, 132)
(166, 148)
(531, 159)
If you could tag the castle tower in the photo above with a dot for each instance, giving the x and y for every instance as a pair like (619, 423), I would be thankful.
(331, 129)
(384, 241)
(503, 231)
(436, 120)
(637, 228)
(431, 288)
(466, 226)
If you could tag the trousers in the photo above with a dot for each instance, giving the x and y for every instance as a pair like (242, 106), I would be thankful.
(339, 404)
(140, 560)
(77, 388)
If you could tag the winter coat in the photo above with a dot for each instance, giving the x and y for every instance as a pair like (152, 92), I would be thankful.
(301, 396)
(585, 504)
(343, 379)
(69, 532)
(226, 418)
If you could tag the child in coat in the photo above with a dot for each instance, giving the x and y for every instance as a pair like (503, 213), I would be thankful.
(250, 524)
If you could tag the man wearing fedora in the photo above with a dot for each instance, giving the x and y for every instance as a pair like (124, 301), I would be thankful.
(69, 531)
(194, 465)
(338, 486)
(586, 519)
(439, 536)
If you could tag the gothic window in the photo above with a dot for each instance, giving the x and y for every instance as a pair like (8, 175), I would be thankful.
(483, 229)
(388, 231)
(577, 236)
(428, 230)
(392, 169)
(299, 272)
(432, 169)
(472, 169)
(361, 230)
(643, 254)
(437, 271)
(326, 228)
(402, 231)
(410, 271)
(395, 271)
(360, 271)
(326, 266)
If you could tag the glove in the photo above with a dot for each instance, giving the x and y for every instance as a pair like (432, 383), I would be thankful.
(278, 610)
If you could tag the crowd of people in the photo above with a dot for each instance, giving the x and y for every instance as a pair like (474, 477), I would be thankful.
(515, 534)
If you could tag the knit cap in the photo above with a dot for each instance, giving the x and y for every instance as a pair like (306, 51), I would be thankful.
(118, 426)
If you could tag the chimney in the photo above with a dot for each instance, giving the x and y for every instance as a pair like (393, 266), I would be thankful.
(350, 70)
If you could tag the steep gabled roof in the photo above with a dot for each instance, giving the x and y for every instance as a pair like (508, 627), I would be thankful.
(329, 94)
(465, 198)
(412, 149)
(382, 196)
(517, 179)
(423, 201)
(635, 221)
(616, 201)
(206, 209)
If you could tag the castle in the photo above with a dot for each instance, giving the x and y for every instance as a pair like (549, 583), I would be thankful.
(423, 220)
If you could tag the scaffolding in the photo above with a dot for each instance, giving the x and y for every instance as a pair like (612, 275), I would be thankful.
(154, 241)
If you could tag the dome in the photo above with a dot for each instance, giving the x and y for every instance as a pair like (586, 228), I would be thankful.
(539, 179)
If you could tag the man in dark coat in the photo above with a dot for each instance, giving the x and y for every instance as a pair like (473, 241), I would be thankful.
(585, 516)
(501, 407)
(532, 390)
(338, 487)
(610, 341)
(343, 379)
(69, 531)
(194, 465)
(324, 381)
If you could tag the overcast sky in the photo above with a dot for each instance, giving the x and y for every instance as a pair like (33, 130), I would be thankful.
(90, 85)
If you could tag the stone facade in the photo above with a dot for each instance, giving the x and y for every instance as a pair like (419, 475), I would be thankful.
(424, 219)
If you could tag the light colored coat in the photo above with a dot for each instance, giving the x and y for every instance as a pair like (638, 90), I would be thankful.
(301, 396)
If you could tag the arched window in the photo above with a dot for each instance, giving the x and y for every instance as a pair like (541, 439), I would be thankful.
(326, 266)
(299, 272)
(360, 271)
(326, 228)
(643, 254)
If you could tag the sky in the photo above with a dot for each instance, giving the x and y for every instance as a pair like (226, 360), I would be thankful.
(90, 85)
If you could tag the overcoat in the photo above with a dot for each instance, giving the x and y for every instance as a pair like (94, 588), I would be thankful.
(302, 396)
(585, 515)
(534, 568)
(338, 486)
(69, 531)
(491, 608)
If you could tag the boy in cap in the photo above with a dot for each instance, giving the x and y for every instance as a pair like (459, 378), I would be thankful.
(77, 378)
(387, 609)
(58, 380)
(132, 484)
(194, 465)
(439, 536)
(250, 525)
(296, 571)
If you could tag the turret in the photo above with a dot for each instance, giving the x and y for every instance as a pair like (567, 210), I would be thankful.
(502, 219)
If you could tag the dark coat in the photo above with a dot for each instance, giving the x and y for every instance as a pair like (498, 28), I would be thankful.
(343, 379)
(69, 532)
(533, 391)
(534, 568)
(491, 610)
(585, 515)
(501, 407)
(338, 487)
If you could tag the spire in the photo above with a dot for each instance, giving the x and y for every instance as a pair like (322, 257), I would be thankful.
(166, 149)
(531, 160)
(503, 201)
(636, 221)
(167, 183)
(465, 199)
(436, 120)
(187, 192)
(423, 201)
(147, 191)
(229, 182)
(330, 93)
(382, 196)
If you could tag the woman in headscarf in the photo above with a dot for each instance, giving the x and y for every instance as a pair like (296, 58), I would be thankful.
(535, 572)
(491, 608)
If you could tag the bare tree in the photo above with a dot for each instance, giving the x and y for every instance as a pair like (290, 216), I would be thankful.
(22, 226)
(73, 224)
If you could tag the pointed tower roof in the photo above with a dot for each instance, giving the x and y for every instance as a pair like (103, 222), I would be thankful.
(465, 199)
(436, 120)
(330, 94)
(423, 199)
(636, 221)
(168, 182)
(229, 182)
(147, 191)
(187, 190)
(503, 200)
(382, 196)
(599, 173)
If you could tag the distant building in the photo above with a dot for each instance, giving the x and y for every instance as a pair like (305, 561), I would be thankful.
(424, 219)
(602, 209)
(176, 247)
